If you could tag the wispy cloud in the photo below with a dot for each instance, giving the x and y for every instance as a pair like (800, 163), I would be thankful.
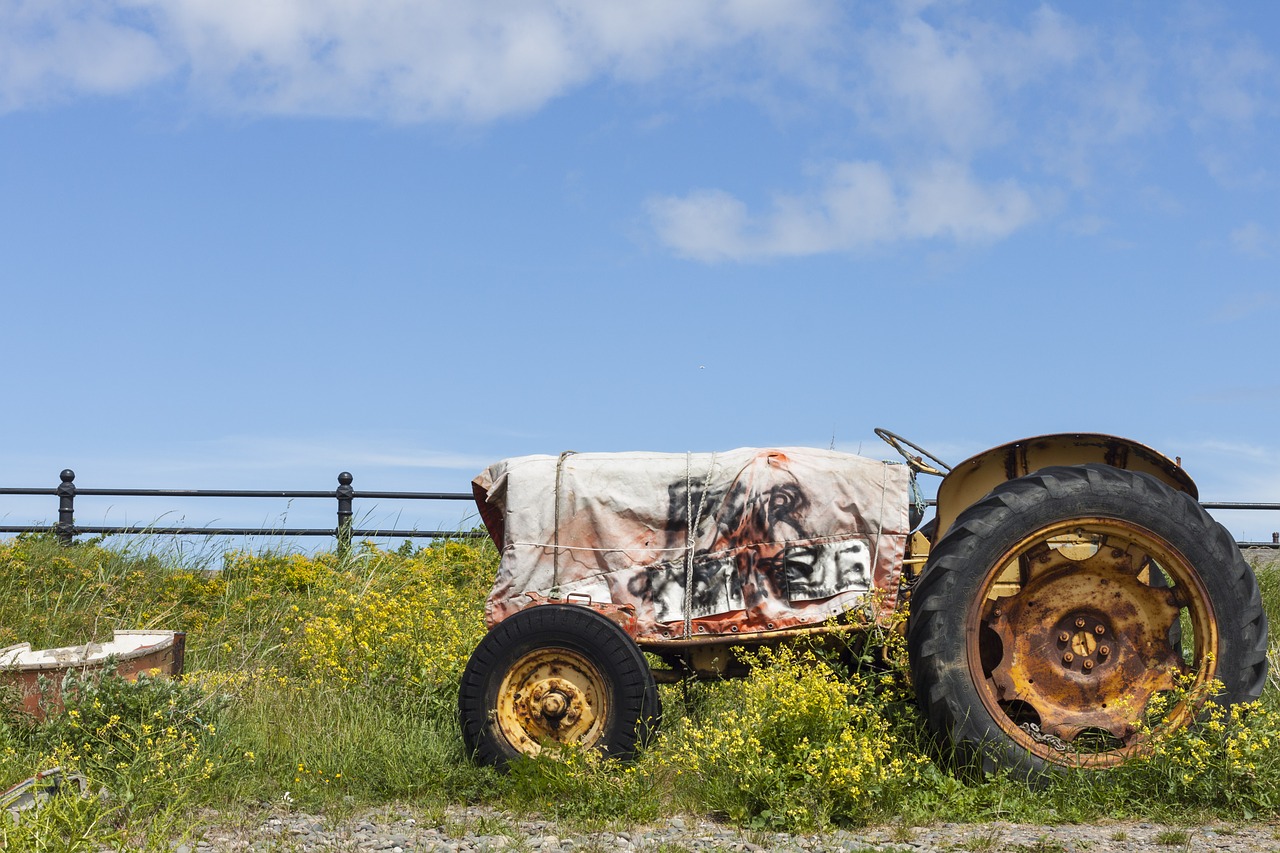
(961, 120)
(1022, 111)
(258, 452)
(257, 462)
(950, 75)
(399, 59)
(1233, 79)
(1245, 305)
(1254, 239)
(55, 49)
(861, 204)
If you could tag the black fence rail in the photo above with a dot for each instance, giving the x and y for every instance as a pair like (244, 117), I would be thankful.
(345, 495)
(344, 532)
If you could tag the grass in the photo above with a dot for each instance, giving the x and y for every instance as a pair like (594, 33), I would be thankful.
(329, 685)
(1172, 837)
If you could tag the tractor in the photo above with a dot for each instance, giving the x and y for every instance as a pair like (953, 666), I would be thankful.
(1067, 597)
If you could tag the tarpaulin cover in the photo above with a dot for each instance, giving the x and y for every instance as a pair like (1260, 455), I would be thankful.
(780, 537)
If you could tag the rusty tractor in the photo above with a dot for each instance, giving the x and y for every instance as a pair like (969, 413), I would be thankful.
(1063, 585)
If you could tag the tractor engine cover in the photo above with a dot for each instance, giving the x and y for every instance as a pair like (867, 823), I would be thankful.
(698, 544)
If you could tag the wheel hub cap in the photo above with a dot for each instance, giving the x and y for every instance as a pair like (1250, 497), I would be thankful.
(551, 696)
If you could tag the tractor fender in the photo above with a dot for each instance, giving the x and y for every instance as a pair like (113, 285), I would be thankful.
(973, 478)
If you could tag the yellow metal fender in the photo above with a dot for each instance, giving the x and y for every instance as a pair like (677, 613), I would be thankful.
(973, 478)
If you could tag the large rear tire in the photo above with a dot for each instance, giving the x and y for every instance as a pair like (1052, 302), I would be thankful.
(556, 674)
(1061, 613)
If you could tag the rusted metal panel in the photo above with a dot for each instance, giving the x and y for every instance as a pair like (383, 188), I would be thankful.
(622, 615)
(698, 545)
(973, 478)
(1081, 642)
(130, 653)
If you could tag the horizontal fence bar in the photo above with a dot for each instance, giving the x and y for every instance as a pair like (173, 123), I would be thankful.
(138, 529)
(245, 493)
(66, 528)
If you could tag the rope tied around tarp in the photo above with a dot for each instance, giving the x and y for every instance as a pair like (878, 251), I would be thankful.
(875, 552)
(555, 531)
(691, 528)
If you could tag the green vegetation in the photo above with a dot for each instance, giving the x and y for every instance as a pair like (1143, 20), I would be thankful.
(1172, 837)
(330, 685)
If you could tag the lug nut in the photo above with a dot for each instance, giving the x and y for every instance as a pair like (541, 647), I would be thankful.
(1088, 665)
(1063, 637)
(1103, 651)
(1068, 657)
(1080, 622)
(1099, 630)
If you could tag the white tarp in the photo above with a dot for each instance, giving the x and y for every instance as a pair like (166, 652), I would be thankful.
(780, 537)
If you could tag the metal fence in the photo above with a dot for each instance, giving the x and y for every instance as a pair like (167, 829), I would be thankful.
(344, 531)
(345, 495)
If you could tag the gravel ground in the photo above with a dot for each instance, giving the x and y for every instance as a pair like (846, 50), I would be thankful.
(478, 828)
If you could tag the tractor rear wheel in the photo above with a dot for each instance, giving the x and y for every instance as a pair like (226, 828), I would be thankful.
(1071, 613)
(556, 675)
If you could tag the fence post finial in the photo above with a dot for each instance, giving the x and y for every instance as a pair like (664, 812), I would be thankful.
(66, 526)
(344, 494)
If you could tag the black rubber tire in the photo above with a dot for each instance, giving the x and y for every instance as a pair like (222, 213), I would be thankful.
(958, 569)
(631, 696)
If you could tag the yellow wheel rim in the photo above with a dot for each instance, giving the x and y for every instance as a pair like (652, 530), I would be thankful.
(1072, 637)
(552, 697)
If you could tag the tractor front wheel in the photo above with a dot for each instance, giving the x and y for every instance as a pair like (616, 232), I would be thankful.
(556, 675)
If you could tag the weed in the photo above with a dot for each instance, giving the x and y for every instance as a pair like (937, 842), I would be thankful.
(1172, 837)
(67, 823)
(988, 841)
(1040, 845)
(793, 746)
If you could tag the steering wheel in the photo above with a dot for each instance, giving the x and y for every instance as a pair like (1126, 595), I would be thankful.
(916, 463)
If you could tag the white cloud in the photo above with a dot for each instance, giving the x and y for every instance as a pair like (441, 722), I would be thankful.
(1232, 83)
(951, 111)
(860, 205)
(50, 50)
(401, 59)
(260, 452)
(1244, 306)
(1254, 239)
(952, 81)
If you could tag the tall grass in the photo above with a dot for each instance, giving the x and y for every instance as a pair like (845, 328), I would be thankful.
(1268, 573)
(327, 684)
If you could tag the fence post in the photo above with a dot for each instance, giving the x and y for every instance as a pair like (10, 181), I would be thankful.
(66, 526)
(344, 494)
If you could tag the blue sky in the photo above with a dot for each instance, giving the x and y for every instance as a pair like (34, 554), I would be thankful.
(250, 245)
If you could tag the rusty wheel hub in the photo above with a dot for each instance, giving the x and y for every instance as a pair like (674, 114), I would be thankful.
(1074, 638)
(551, 696)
